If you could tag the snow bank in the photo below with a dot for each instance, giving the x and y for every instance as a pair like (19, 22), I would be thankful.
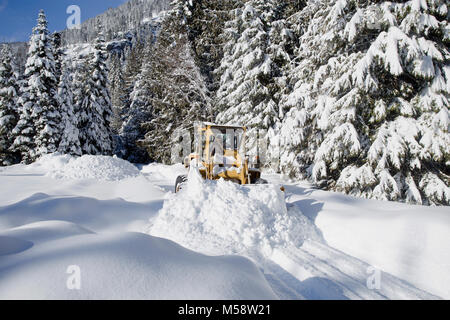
(47, 226)
(409, 242)
(9, 245)
(87, 167)
(223, 217)
(158, 172)
(115, 215)
(127, 266)
(45, 231)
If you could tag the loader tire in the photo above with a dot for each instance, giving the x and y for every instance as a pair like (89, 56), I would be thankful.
(261, 181)
(181, 181)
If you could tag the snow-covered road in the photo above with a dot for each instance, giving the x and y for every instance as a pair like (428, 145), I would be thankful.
(103, 215)
(314, 269)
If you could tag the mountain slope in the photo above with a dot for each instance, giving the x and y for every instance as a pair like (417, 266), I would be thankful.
(133, 15)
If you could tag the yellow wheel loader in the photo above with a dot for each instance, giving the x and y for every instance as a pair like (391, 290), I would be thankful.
(220, 154)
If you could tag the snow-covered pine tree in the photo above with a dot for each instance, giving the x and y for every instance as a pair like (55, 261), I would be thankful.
(80, 84)
(116, 85)
(316, 27)
(96, 110)
(250, 77)
(370, 114)
(9, 91)
(132, 99)
(133, 67)
(38, 130)
(24, 132)
(245, 70)
(179, 96)
(413, 50)
(280, 50)
(291, 8)
(58, 54)
(70, 135)
(206, 23)
(78, 89)
(137, 114)
(70, 142)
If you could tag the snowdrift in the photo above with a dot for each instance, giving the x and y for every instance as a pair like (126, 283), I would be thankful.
(159, 172)
(101, 168)
(409, 242)
(121, 266)
(115, 215)
(9, 245)
(223, 217)
(47, 225)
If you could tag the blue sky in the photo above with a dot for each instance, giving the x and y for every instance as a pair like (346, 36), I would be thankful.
(18, 17)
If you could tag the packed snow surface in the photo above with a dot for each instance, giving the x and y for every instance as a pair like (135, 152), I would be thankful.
(223, 217)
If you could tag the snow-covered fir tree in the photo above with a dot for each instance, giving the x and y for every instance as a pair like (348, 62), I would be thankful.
(9, 91)
(70, 137)
(24, 132)
(69, 142)
(96, 111)
(206, 22)
(79, 81)
(38, 130)
(132, 69)
(116, 85)
(280, 50)
(370, 100)
(131, 132)
(179, 96)
(132, 106)
(250, 83)
(58, 53)
(244, 69)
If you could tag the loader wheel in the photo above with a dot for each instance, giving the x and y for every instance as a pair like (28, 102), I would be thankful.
(181, 180)
(261, 181)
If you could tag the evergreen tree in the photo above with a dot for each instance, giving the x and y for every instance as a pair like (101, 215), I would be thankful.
(79, 84)
(38, 130)
(70, 142)
(96, 111)
(70, 139)
(206, 22)
(251, 71)
(370, 100)
(9, 91)
(131, 132)
(178, 94)
(58, 54)
(133, 68)
(116, 85)
(245, 72)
